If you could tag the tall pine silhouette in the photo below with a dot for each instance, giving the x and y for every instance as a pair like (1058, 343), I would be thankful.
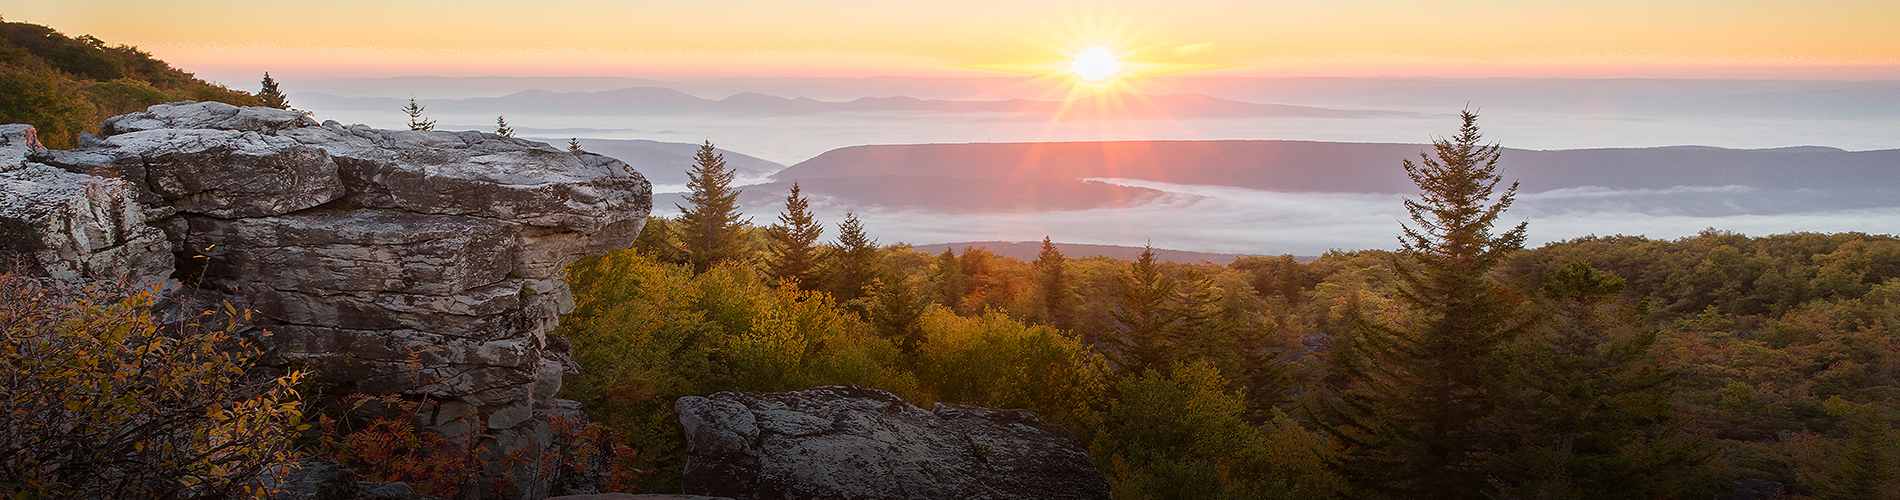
(795, 241)
(854, 261)
(1052, 279)
(1146, 334)
(711, 230)
(1418, 415)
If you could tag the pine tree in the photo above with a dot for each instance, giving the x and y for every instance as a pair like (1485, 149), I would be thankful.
(270, 95)
(1052, 278)
(795, 241)
(415, 117)
(502, 128)
(660, 241)
(574, 145)
(896, 312)
(1418, 415)
(952, 284)
(984, 289)
(1146, 334)
(1596, 419)
(854, 260)
(1865, 465)
(710, 230)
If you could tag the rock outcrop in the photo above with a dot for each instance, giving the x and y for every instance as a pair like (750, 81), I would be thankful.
(69, 226)
(414, 262)
(858, 444)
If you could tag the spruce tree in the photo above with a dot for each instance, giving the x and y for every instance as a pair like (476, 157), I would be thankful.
(270, 95)
(574, 145)
(952, 284)
(1052, 279)
(1146, 334)
(1595, 419)
(660, 241)
(795, 241)
(710, 231)
(983, 287)
(1864, 465)
(502, 128)
(896, 311)
(1418, 417)
(415, 117)
(854, 260)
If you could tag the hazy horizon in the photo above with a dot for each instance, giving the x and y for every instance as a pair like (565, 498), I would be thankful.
(782, 83)
(1521, 113)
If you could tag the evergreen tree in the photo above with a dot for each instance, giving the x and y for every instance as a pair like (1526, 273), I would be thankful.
(952, 284)
(984, 289)
(270, 95)
(1052, 278)
(1596, 419)
(660, 241)
(795, 241)
(854, 260)
(1865, 465)
(1146, 334)
(574, 145)
(710, 230)
(502, 128)
(415, 117)
(896, 312)
(1418, 416)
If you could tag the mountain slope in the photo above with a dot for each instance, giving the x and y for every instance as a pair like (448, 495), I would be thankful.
(63, 86)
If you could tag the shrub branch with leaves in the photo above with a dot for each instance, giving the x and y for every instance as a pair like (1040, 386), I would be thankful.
(104, 401)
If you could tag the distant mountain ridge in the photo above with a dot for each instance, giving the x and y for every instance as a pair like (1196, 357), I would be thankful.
(667, 162)
(665, 101)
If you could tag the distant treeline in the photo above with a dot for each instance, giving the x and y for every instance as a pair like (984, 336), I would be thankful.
(63, 86)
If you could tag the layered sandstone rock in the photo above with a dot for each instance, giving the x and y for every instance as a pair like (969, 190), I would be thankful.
(864, 444)
(411, 262)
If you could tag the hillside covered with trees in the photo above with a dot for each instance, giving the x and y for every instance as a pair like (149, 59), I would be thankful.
(1462, 365)
(64, 85)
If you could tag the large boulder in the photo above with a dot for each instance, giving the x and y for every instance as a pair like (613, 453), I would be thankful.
(413, 262)
(429, 264)
(853, 443)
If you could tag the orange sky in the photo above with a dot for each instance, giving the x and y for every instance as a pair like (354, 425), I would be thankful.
(1826, 39)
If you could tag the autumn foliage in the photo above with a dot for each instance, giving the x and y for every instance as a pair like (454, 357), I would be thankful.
(103, 400)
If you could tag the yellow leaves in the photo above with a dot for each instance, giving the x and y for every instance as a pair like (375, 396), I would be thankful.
(92, 376)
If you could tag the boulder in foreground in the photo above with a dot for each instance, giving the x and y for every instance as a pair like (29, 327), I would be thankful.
(853, 443)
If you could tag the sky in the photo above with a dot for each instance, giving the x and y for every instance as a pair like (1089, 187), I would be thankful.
(234, 40)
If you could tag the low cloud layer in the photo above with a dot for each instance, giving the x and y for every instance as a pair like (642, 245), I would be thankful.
(1236, 220)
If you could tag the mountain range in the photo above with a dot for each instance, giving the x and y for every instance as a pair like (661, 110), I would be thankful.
(665, 101)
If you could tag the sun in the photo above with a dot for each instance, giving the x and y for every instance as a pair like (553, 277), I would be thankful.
(1096, 64)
